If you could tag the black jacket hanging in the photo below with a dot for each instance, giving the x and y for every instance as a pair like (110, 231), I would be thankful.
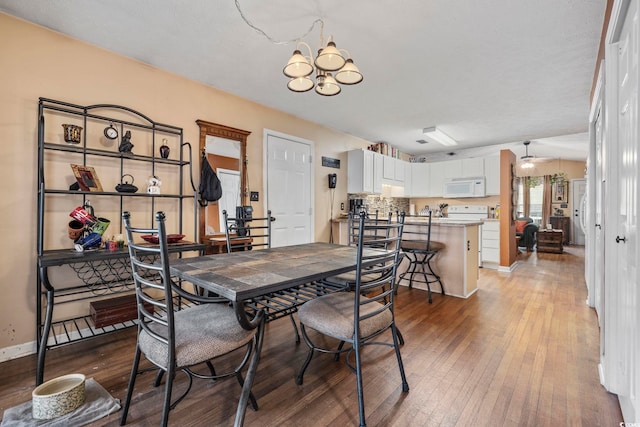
(210, 187)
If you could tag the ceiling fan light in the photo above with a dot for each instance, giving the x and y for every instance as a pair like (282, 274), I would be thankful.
(300, 84)
(349, 74)
(327, 85)
(527, 165)
(297, 66)
(329, 58)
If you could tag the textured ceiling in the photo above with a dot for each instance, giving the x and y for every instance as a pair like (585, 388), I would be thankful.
(485, 72)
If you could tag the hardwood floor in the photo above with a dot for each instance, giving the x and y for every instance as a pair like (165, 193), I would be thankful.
(522, 351)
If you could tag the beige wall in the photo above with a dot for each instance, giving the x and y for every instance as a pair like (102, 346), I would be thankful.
(37, 62)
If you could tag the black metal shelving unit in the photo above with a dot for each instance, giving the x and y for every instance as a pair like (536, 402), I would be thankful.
(99, 272)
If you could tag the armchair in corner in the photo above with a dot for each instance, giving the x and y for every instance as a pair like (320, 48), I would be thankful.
(526, 233)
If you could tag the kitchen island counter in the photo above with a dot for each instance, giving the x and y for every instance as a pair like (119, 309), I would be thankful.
(457, 263)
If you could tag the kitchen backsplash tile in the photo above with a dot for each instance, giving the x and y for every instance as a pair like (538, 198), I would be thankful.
(384, 205)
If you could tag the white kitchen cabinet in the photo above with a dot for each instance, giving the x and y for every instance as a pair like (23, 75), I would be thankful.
(452, 169)
(436, 179)
(408, 178)
(378, 160)
(393, 171)
(472, 167)
(362, 166)
(420, 179)
(389, 169)
(492, 175)
(399, 173)
(491, 244)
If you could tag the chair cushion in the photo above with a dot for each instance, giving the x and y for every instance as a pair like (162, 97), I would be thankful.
(332, 315)
(202, 333)
(520, 225)
(420, 245)
(349, 279)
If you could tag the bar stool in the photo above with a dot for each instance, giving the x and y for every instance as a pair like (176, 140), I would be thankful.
(420, 251)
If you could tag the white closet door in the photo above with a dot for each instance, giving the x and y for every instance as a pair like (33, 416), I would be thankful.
(289, 190)
(620, 363)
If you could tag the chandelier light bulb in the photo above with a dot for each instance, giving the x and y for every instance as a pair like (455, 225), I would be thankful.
(329, 58)
(298, 66)
(327, 85)
(349, 74)
(300, 84)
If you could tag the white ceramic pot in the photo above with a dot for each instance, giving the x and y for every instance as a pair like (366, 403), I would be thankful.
(58, 396)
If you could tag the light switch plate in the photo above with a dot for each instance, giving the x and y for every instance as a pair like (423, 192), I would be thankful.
(255, 196)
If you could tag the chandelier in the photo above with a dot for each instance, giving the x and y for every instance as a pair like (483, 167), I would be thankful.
(329, 60)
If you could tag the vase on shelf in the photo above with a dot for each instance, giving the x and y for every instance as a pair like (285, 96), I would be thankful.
(164, 149)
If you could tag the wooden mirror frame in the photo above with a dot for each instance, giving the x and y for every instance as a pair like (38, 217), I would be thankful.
(222, 131)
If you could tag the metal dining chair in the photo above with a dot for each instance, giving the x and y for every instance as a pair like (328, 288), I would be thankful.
(360, 317)
(245, 234)
(375, 229)
(179, 330)
(420, 250)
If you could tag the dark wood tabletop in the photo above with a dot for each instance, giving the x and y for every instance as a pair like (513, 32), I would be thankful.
(239, 276)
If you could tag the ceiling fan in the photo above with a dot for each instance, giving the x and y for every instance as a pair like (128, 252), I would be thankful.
(528, 159)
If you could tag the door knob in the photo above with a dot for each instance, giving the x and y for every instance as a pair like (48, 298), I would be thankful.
(621, 239)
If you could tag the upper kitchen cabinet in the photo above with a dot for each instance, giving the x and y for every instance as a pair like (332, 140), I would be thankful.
(492, 175)
(472, 167)
(420, 180)
(393, 171)
(408, 178)
(451, 169)
(437, 175)
(364, 172)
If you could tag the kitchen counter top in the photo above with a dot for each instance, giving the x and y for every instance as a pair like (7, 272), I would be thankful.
(446, 222)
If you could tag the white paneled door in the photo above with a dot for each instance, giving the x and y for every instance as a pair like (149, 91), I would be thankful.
(230, 183)
(289, 188)
(620, 366)
(578, 189)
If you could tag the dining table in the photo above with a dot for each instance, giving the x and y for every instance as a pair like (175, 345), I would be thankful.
(276, 280)
(270, 283)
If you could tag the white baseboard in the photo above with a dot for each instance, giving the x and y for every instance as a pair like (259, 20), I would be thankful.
(436, 291)
(16, 351)
(601, 373)
(509, 269)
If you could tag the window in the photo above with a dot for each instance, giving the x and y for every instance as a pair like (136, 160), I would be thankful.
(535, 185)
(535, 201)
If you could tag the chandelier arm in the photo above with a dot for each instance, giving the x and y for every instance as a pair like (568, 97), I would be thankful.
(272, 40)
(310, 57)
(346, 52)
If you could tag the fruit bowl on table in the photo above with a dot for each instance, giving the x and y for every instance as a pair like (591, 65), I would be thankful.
(171, 238)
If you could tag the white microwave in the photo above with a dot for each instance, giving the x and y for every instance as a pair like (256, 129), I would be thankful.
(465, 187)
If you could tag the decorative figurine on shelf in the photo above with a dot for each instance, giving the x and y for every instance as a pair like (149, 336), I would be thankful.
(126, 145)
(154, 184)
(164, 149)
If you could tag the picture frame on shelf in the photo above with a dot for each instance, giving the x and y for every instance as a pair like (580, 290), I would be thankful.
(87, 178)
